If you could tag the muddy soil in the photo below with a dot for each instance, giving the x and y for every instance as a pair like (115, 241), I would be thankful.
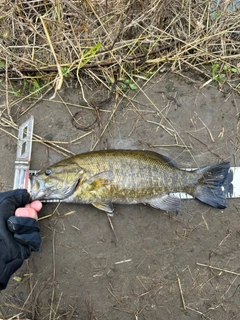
(158, 267)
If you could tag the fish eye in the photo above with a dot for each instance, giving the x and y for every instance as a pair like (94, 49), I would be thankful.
(48, 172)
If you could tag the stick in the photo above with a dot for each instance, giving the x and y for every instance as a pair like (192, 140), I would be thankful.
(112, 227)
(219, 269)
(181, 292)
(60, 80)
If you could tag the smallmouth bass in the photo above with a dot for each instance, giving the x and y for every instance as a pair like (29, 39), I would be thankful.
(128, 177)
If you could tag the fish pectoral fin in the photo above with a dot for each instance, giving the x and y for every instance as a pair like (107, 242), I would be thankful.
(104, 206)
(100, 180)
(166, 203)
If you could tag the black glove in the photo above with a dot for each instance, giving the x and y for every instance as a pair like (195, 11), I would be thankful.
(18, 235)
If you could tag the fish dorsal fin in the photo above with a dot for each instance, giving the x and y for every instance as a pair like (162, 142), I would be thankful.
(163, 158)
(104, 206)
(100, 180)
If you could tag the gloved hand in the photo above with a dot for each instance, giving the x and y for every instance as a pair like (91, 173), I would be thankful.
(19, 233)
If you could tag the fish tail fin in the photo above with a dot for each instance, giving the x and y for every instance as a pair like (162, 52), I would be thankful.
(209, 189)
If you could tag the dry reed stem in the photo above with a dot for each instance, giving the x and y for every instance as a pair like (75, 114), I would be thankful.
(36, 138)
(59, 80)
(218, 269)
(181, 292)
(129, 34)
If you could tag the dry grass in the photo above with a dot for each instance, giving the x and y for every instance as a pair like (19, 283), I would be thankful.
(47, 40)
(45, 43)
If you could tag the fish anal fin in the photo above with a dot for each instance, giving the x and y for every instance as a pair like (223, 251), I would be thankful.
(104, 206)
(166, 203)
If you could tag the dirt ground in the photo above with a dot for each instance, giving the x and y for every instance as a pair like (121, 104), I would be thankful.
(158, 268)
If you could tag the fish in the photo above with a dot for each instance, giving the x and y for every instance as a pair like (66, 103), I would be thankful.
(104, 177)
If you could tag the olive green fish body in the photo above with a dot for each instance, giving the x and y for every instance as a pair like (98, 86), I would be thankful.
(127, 176)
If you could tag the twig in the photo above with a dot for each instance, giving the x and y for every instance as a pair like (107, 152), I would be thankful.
(7, 100)
(37, 138)
(112, 227)
(181, 292)
(90, 308)
(198, 312)
(219, 269)
(60, 79)
(210, 134)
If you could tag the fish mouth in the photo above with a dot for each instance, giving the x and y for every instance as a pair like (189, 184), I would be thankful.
(51, 193)
(45, 194)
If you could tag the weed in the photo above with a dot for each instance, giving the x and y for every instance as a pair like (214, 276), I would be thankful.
(88, 55)
(219, 74)
(65, 72)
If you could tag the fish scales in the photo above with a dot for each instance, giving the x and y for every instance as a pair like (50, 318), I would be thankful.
(127, 176)
(134, 177)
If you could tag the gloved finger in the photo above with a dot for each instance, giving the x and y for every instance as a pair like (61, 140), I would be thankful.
(22, 225)
(10, 201)
(26, 231)
(21, 195)
(33, 240)
(26, 212)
